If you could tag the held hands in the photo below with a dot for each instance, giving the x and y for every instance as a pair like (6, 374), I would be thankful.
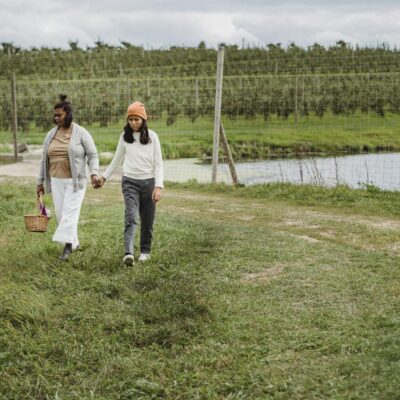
(95, 181)
(99, 181)
(156, 195)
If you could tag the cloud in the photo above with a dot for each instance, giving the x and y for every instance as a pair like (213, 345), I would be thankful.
(157, 23)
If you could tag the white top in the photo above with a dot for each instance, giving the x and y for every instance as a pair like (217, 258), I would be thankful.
(140, 161)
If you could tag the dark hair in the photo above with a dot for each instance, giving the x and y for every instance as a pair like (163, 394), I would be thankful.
(67, 107)
(144, 133)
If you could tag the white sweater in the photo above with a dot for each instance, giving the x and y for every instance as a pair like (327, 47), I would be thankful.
(140, 161)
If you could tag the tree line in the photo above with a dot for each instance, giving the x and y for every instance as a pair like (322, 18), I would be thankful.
(291, 82)
(108, 61)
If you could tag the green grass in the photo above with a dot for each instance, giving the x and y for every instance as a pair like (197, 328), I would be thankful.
(370, 199)
(268, 292)
(256, 138)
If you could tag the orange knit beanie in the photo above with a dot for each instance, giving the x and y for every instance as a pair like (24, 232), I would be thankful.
(137, 108)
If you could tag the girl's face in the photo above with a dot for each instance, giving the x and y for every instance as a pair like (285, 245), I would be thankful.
(135, 122)
(59, 116)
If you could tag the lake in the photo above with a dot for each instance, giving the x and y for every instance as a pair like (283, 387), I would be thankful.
(381, 170)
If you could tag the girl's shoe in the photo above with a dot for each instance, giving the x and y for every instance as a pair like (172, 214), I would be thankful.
(128, 259)
(144, 256)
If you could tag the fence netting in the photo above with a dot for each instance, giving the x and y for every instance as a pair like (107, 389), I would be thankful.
(283, 125)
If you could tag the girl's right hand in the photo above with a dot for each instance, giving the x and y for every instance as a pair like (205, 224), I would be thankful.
(101, 181)
(39, 190)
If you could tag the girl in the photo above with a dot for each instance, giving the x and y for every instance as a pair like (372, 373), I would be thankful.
(139, 150)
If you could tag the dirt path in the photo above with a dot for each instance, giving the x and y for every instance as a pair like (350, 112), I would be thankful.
(311, 225)
(180, 170)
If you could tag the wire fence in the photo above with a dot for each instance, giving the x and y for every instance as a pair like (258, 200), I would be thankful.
(319, 128)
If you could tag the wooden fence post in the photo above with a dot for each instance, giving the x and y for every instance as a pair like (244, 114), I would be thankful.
(217, 117)
(229, 157)
(14, 115)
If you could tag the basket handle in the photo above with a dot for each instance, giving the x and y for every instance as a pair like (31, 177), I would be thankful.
(40, 204)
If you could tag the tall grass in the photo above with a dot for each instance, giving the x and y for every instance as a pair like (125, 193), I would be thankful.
(244, 297)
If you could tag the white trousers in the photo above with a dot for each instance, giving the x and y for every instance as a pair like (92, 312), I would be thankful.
(67, 205)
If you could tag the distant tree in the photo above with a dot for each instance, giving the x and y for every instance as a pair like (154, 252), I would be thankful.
(316, 47)
(202, 45)
(319, 105)
(9, 48)
(342, 44)
(100, 45)
(294, 49)
(73, 44)
(127, 45)
(272, 46)
(275, 48)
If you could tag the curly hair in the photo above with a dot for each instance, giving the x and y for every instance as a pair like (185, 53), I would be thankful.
(65, 105)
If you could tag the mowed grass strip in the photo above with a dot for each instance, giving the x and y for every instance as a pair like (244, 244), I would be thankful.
(251, 138)
(244, 297)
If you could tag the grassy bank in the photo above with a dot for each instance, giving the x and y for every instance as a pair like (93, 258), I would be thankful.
(257, 138)
(272, 291)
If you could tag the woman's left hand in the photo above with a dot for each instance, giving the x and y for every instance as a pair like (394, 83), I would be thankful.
(156, 195)
(94, 181)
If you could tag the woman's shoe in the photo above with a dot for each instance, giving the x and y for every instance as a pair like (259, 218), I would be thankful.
(66, 252)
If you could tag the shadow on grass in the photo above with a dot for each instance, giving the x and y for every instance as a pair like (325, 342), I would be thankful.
(165, 301)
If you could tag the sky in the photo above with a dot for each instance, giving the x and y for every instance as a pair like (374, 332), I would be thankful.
(160, 24)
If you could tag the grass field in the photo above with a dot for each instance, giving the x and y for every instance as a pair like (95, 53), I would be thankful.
(256, 138)
(266, 292)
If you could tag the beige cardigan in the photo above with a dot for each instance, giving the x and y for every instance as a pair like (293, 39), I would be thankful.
(81, 151)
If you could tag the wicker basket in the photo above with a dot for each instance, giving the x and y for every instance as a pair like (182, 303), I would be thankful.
(37, 223)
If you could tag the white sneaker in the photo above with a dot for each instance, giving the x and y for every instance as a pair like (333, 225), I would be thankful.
(128, 259)
(144, 256)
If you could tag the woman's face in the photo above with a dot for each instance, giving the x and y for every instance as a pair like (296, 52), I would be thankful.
(135, 122)
(59, 116)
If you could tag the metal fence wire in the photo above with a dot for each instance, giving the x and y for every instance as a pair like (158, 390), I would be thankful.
(316, 127)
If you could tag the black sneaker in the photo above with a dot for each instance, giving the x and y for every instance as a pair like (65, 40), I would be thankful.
(66, 252)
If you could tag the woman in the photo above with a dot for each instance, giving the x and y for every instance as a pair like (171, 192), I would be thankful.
(139, 150)
(67, 149)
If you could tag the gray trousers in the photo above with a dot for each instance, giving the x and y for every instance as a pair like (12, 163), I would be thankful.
(138, 202)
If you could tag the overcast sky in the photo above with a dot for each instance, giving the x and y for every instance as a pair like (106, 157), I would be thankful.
(159, 24)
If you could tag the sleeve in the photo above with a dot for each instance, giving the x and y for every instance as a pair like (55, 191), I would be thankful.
(41, 175)
(158, 163)
(91, 153)
(117, 159)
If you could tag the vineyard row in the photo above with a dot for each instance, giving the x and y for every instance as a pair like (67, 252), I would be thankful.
(104, 101)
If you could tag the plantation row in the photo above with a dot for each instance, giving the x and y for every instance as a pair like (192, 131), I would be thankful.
(105, 101)
(127, 60)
